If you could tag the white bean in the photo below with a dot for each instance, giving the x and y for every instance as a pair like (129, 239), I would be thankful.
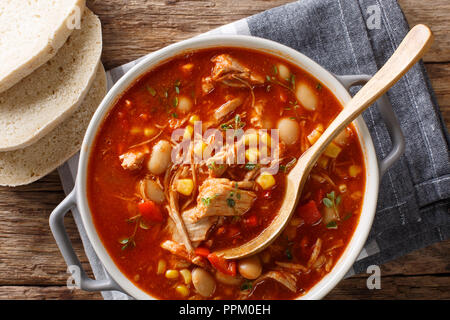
(184, 104)
(250, 268)
(151, 190)
(306, 96)
(203, 282)
(160, 158)
(283, 72)
(289, 130)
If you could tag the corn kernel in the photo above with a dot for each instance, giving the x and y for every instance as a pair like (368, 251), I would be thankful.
(199, 148)
(182, 290)
(252, 155)
(161, 266)
(188, 133)
(295, 222)
(354, 170)
(186, 274)
(315, 134)
(323, 162)
(172, 274)
(266, 139)
(194, 118)
(186, 68)
(332, 150)
(266, 180)
(148, 132)
(251, 139)
(185, 186)
(342, 188)
(135, 130)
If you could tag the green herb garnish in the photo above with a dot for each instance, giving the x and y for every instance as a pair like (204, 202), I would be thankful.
(347, 216)
(331, 225)
(231, 203)
(206, 201)
(332, 202)
(319, 86)
(247, 285)
(151, 91)
(250, 166)
(274, 69)
(288, 253)
(292, 80)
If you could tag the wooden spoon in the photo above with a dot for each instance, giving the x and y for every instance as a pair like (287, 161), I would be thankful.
(410, 50)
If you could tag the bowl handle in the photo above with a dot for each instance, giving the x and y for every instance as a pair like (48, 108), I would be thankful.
(65, 246)
(389, 117)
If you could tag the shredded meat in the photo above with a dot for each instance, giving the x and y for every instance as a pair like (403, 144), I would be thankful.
(179, 250)
(227, 69)
(257, 113)
(230, 72)
(227, 108)
(132, 160)
(285, 278)
(197, 230)
(222, 197)
(291, 266)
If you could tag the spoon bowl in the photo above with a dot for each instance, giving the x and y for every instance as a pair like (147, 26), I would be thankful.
(410, 50)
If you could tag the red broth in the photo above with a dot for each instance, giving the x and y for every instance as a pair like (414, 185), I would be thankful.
(133, 225)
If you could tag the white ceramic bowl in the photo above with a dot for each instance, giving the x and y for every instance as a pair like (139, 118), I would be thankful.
(79, 198)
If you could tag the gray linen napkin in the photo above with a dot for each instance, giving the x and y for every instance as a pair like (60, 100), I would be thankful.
(357, 37)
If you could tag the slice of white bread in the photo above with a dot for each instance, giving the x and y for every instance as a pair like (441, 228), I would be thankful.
(24, 166)
(48, 96)
(31, 32)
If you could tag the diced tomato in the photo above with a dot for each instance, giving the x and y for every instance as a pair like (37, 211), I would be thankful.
(233, 231)
(319, 196)
(220, 230)
(309, 212)
(201, 251)
(251, 221)
(222, 264)
(267, 195)
(150, 211)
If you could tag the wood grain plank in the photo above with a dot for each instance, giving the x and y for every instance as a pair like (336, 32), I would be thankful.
(135, 28)
(436, 15)
(45, 293)
(28, 252)
(394, 288)
(439, 74)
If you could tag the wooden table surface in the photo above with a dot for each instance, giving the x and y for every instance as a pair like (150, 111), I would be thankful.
(31, 266)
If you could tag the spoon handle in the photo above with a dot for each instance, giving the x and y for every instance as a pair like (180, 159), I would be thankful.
(410, 50)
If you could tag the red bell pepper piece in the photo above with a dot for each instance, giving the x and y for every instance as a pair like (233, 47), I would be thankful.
(309, 212)
(201, 251)
(251, 221)
(222, 264)
(150, 211)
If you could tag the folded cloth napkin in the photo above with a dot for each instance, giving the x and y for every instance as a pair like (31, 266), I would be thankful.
(357, 37)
